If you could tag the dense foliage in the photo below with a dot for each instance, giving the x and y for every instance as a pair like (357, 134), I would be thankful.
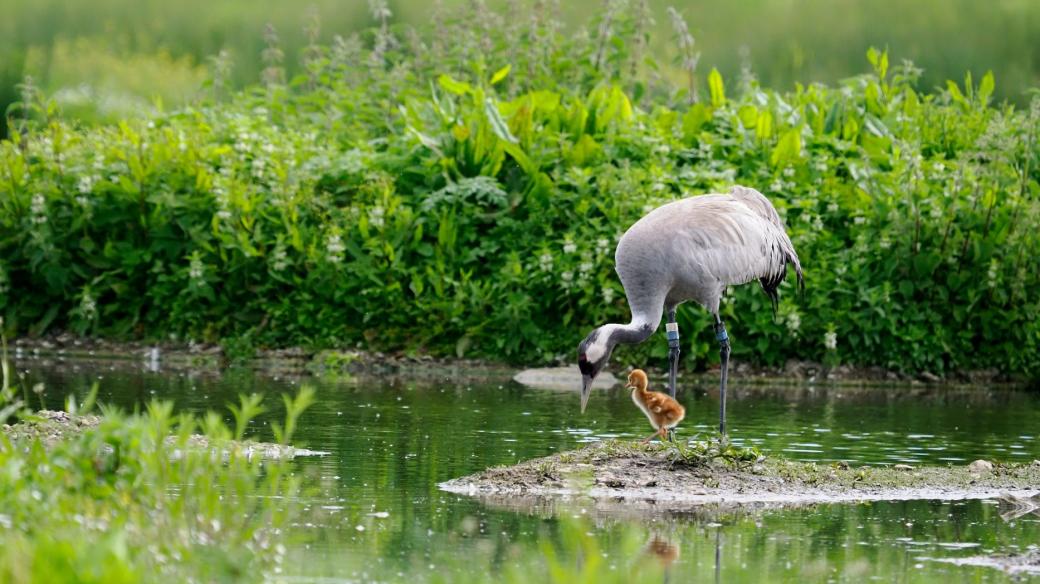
(465, 197)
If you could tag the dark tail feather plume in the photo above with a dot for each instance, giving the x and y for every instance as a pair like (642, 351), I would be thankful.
(771, 284)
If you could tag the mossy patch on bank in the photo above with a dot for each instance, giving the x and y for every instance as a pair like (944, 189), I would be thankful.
(704, 472)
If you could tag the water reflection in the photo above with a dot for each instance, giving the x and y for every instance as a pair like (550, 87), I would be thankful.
(375, 512)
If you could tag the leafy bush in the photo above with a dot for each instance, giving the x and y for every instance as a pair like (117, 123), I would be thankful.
(465, 199)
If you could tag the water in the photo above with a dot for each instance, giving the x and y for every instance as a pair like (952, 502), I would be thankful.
(375, 512)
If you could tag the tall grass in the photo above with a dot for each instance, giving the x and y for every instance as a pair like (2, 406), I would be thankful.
(465, 198)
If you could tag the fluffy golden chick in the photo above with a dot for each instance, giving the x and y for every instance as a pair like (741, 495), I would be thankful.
(663, 412)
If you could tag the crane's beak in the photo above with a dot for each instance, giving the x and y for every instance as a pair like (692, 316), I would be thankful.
(586, 390)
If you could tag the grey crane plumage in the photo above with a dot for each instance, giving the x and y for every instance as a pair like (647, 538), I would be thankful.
(691, 250)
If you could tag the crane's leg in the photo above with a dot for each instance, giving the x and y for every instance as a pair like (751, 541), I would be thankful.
(723, 338)
(672, 330)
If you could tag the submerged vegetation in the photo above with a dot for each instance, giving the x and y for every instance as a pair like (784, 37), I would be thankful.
(411, 194)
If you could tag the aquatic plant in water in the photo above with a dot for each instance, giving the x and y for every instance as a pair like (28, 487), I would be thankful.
(134, 499)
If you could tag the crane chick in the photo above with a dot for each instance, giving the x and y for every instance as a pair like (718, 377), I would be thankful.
(663, 411)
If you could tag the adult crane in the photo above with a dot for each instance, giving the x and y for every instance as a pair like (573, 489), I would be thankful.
(691, 249)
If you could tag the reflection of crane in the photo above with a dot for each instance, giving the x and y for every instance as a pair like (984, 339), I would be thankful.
(691, 249)
(663, 411)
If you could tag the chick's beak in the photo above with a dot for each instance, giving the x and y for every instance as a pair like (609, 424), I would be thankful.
(586, 390)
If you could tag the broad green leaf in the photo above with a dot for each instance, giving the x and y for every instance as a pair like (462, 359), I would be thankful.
(764, 125)
(498, 125)
(986, 87)
(694, 119)
(717, 88)
(501, 74)
(456, 87)
(788, 149)
(748, 115)
(955, 93)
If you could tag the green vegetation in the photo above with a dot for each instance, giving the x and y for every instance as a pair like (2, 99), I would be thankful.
(105, 58)
(132, 498)
(464, 198)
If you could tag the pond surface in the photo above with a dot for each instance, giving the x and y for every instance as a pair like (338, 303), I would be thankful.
(375, 512)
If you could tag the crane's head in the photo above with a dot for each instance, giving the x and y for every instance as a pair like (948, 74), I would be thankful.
(593, 354)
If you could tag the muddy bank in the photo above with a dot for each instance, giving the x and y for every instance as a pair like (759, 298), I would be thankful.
(170, 355)
(291, 361)
(662, 474)
(51, 427)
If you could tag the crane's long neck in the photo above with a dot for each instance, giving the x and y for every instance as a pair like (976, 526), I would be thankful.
(601, 342)
(643, 324)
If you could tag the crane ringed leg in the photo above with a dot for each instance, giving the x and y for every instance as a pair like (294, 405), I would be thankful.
(672, 330)
(723, 338)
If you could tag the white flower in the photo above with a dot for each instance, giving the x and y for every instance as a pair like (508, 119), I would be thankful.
(830, 340)
(567, 278)
(196, 269)
(88, 306)
(777, 185)
(86, 183)
(279, 259)
(788, 171)
(608, 295)
(545, 262)
(794, 322)
(602, 245)
(335, 248)
(375, 217)
(832, 208)
(884, 243)
(991, 274)
(38, 208)
(585, 267)
(859, 220)
(569, 247)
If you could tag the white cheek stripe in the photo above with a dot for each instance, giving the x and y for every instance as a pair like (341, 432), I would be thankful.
(595, 351)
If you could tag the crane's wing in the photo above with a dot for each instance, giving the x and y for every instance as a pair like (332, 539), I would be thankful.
(706, 243)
